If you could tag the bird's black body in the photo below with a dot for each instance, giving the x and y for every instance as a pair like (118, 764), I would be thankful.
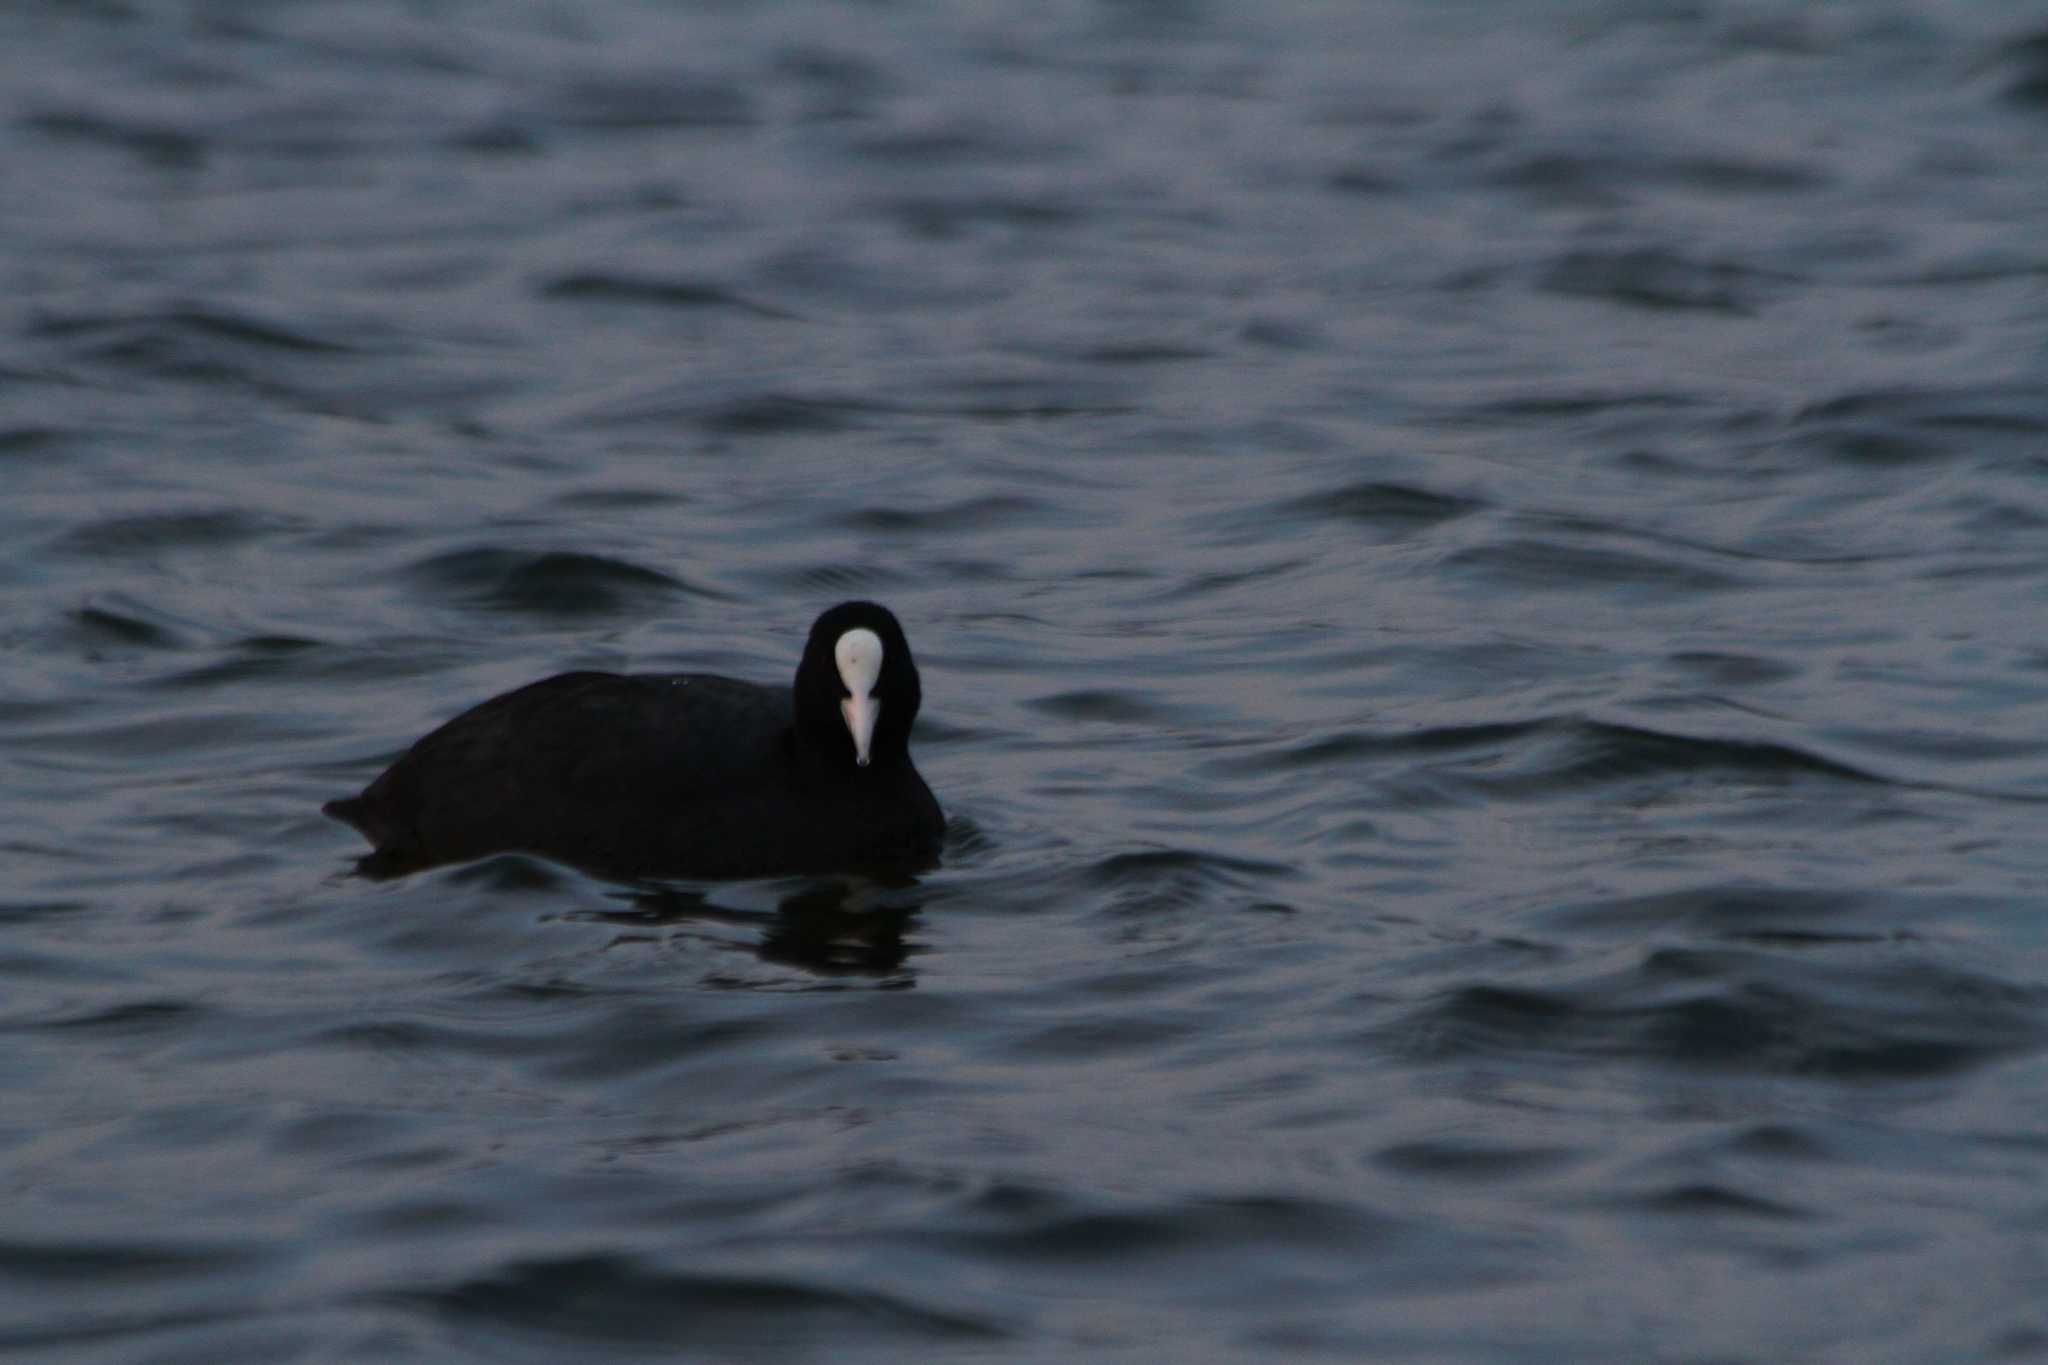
(683, 775)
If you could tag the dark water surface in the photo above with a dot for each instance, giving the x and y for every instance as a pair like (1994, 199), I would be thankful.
(1482, 578)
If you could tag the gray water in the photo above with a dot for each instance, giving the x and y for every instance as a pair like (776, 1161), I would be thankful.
(1480, 571)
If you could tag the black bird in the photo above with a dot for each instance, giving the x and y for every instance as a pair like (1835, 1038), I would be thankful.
(675, 775)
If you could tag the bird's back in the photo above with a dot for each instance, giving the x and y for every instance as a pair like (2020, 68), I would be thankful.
(597, 763)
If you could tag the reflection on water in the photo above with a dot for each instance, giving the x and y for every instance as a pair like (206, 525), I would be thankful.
(831, 927)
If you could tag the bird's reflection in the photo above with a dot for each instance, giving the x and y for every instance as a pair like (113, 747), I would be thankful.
(833, 927)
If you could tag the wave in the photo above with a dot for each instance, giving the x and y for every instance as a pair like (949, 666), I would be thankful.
(1873, 1018)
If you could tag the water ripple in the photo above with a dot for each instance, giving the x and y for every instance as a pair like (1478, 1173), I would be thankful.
(627, 1301)
(547, 583)
(1745, 1011)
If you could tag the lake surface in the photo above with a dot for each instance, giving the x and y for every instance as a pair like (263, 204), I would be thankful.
(1481, 574)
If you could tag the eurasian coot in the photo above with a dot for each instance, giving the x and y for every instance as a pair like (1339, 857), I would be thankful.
(679, 775)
